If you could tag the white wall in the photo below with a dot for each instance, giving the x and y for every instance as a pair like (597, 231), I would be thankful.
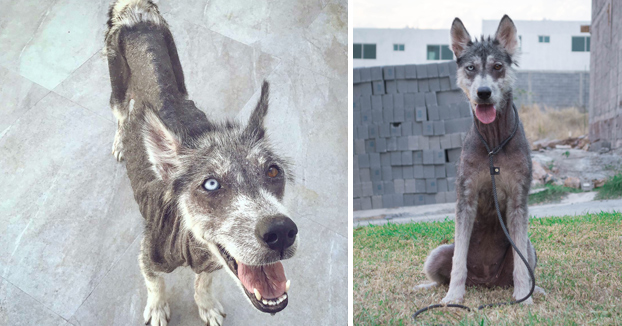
(415, 41)
(554, 56)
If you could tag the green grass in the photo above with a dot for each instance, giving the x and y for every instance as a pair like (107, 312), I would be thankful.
(553, 193)
(579, 265)
(611, 189)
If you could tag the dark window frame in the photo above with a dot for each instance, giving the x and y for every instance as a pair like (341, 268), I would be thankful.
(431, 49)
(441, 51)
(446, 53)
(398, 47)
(584, 47)
(358, 50)
(367, 48)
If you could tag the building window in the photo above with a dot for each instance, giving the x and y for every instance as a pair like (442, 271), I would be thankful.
(369, 51)
(398, 47)
(580, 44)
(358, 51)
(520, 42)
(364, 51)
(544, 39)
(439, 52)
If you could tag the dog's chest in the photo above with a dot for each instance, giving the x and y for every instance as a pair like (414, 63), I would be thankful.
(509, 173)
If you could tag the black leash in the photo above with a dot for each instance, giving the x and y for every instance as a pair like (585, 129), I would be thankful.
(494, 171)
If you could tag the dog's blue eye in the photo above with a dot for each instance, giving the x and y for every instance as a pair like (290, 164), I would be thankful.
(211, 184)
(470, 68)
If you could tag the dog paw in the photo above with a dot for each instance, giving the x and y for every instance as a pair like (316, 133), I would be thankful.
(117, 146)
(539, 290)
(453, 297)
(529, 301)
(214, 315)
(426, 286)
(521, 294)
(157, 314)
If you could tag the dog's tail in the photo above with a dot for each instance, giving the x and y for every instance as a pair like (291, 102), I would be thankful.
(127, 13)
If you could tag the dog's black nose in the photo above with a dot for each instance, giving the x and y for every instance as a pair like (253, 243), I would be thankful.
(484, 92)
(278, 232)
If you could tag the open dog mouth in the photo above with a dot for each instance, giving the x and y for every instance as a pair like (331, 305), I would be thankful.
(486, 113)
(266, 285)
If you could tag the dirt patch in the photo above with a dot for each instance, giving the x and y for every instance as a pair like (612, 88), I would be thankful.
(583, 165)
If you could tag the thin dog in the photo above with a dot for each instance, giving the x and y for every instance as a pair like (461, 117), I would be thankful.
(211, 193)
(481, 253)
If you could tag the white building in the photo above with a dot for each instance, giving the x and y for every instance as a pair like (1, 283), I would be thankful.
(546, 45)
(387, 46)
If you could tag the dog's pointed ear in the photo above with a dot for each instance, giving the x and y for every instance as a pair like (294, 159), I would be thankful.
(460, 38)
(162, 146)
(255, 127)
(506, 35)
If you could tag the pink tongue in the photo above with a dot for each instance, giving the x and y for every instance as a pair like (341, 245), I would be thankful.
(269, 280)
(485, 113)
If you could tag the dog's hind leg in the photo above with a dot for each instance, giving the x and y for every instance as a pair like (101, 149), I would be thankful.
(157, 311)
(210, 309)
(119, 101)
(437, 266)
(466, 210)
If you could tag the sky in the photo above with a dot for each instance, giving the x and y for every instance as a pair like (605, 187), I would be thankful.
(439, 14)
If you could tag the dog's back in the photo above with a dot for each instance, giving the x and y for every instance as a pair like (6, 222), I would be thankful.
(146, 75)
(138, 40)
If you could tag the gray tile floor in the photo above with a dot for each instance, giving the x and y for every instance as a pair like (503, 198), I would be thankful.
(69, 224)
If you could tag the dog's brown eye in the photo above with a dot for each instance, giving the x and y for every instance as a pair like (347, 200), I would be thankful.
(273, 171)
(498, 66)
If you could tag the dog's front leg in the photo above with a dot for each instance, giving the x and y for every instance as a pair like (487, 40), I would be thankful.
(210, 309)
(465, 216)
(157, 311)
(518, 227)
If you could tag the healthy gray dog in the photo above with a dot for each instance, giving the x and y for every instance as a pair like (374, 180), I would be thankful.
(211, 193)
(481, 253)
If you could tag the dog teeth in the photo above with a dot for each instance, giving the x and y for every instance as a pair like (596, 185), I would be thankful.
(273, 302)
(257, 295)
(287, 286)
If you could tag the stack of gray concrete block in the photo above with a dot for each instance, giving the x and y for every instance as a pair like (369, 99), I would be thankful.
(409, 123)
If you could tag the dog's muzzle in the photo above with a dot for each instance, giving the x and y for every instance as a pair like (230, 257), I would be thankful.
(266, 285)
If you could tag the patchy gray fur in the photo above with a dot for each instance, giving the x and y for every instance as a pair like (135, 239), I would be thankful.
(481, 254)
(171, 149)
